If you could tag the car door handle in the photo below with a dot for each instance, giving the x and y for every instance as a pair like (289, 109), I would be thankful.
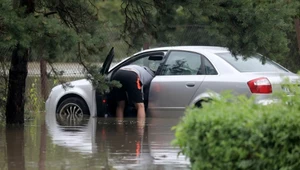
(190, 84)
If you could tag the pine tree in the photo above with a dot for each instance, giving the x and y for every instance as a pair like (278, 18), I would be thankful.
(51, 28)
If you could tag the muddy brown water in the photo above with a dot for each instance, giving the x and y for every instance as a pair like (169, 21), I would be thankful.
(90, 143)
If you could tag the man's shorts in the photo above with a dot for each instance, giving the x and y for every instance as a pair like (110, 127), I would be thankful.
(131, 84)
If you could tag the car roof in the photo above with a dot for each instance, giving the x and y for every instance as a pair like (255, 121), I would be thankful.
(199, 49)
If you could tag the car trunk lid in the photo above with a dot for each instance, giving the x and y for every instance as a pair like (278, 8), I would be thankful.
(278, 80)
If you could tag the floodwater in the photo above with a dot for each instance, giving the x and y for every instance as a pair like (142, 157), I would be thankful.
(60, 143)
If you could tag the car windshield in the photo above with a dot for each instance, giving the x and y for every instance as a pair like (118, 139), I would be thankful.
(251, 64)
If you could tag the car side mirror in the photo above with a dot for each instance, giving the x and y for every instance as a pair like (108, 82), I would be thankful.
(155, 57)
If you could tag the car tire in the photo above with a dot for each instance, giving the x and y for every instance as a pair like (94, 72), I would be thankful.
(72, 108)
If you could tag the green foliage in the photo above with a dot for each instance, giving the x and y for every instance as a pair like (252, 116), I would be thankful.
(250, 26)
(245, 27)
(34, 103)
(100, 82)
(234, 133)
(54, 30)
(110, 12)
(291, 60)
(7, 25)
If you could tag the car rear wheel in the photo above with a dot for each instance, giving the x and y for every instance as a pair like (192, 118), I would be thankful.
(199, 103)
(72, 108)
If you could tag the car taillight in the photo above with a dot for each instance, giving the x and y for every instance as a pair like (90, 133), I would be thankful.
(260, 85)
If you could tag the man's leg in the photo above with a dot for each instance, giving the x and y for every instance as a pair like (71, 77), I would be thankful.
(120, 109)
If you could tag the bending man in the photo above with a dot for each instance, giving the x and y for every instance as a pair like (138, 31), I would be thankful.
(132, 78)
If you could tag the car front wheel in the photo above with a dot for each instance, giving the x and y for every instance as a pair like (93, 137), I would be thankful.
(72, 108)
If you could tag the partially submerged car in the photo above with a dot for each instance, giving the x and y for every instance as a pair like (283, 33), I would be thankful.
(184, 76)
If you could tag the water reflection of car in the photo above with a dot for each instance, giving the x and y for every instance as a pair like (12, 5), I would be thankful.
(78, 133)
(110, 143)
(185, 75)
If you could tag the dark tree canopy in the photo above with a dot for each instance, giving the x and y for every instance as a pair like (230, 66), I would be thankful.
(245, 27)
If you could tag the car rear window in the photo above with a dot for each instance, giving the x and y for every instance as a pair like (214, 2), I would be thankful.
(251, 64)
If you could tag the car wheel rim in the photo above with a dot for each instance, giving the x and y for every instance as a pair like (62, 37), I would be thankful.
(71, 111)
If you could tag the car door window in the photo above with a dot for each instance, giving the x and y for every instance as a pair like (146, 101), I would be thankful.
(209, 68)
(182, 63)
(145, 60)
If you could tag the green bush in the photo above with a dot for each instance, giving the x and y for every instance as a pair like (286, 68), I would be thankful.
(242, 135)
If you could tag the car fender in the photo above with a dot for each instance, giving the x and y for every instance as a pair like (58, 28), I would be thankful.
(84, 90)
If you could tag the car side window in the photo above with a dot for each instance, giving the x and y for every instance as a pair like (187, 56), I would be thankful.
(182, 63)
(145, 60)
(209, 68)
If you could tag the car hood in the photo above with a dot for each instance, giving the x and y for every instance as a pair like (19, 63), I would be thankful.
(80, 82)
(77, 83)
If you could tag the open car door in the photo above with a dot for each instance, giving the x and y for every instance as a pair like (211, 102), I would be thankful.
(101, 101)
(107, 62)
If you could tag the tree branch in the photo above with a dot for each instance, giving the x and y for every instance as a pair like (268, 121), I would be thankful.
(50, 13)
(97, 9)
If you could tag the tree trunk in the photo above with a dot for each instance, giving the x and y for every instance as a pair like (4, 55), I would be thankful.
(16, 86)
(17, 76)
(297, 27)
(44, 85)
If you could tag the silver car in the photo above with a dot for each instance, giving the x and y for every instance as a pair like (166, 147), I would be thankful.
(185, 75)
